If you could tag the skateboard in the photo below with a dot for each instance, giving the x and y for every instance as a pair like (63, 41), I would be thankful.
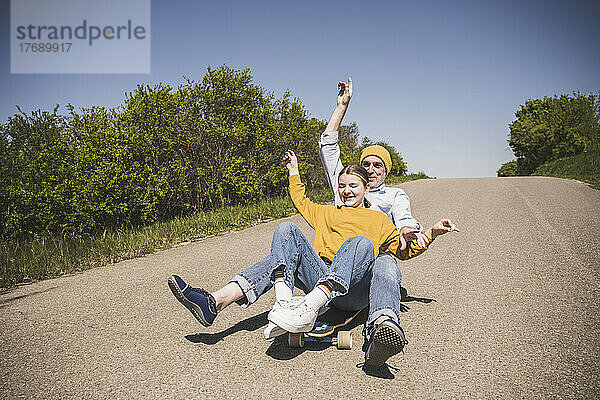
(325, 327)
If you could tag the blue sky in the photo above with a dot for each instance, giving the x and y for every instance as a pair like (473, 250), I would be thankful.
(439, 80)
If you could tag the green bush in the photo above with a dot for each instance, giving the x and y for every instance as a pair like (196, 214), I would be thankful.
(35, 173)
(510, 168)
(164, 153)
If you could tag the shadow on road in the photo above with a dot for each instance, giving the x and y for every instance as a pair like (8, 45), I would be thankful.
(249, 324)
(383, 372)
(406, 299)
(5, 293)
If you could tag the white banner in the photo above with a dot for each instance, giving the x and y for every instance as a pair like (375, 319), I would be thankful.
(80, 36)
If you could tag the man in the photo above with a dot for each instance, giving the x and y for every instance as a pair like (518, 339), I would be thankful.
(382, 332)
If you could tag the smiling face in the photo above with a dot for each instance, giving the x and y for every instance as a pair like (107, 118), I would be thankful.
(376, 169)
(351, 190)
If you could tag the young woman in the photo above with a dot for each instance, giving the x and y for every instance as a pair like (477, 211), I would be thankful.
(335, 270)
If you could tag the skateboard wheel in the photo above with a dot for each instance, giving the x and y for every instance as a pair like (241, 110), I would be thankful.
(295, 340)
(344, 340)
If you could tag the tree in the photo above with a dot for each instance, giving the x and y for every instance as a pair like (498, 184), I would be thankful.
(36, 158)
(348, 141)
(553, 127)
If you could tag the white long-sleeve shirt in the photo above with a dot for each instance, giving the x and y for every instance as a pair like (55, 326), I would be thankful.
(393, 202)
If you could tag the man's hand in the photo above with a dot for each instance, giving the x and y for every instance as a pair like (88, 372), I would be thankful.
(344, 96)
(291, 162)
(344, 92)
(408, 233)
(442, 227)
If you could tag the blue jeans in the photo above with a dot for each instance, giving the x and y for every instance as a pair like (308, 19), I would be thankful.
(359, 279)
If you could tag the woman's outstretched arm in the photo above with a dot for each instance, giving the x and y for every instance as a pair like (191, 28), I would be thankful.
(413, 248)
(309, 210)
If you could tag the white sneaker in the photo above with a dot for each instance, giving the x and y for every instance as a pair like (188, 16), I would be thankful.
(293, 302)
(273, 330)
(296, 318)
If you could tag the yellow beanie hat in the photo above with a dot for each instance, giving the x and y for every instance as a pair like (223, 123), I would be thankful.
(379, 151)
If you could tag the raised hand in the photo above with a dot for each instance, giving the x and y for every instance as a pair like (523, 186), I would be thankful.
(291, 162)
(344, 92)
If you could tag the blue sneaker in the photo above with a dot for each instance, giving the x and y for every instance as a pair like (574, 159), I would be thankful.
(386, 339)
(200, 303)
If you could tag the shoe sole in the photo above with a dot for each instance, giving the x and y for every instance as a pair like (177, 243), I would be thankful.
(194, 309)
(275, 332)
(386, 343)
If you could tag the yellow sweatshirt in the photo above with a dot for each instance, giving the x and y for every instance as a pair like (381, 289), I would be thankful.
(333, 225)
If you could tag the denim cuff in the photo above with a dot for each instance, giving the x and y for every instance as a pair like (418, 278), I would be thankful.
(388, 312)
(250, 293)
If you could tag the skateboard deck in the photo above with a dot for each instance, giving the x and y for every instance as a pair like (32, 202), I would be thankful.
(328, 323)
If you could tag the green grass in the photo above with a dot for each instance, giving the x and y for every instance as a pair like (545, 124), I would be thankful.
(49, 256)
(584, 167)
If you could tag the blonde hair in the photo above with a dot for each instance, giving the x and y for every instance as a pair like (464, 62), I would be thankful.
(359, 171)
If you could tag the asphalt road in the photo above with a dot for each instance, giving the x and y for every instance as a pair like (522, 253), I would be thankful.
(507, 308)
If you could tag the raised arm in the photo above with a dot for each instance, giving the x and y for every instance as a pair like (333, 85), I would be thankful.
(309, 210)
(329, 149)
(344, 96)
